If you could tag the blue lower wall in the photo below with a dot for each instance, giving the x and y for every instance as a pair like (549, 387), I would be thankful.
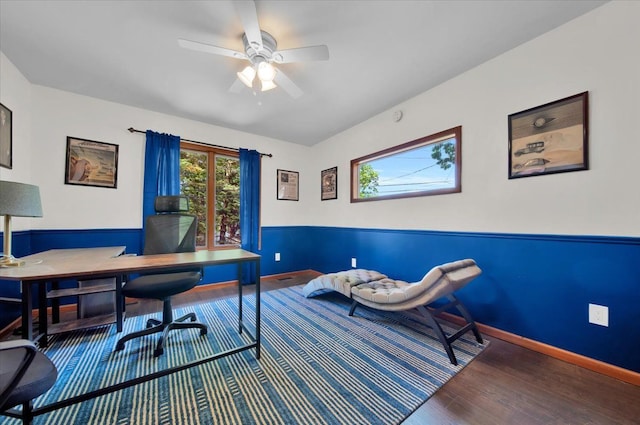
(535, 286)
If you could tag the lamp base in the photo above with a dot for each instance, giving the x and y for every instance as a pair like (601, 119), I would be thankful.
(11, 261)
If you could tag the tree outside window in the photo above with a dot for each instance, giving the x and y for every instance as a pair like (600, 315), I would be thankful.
(211, 180)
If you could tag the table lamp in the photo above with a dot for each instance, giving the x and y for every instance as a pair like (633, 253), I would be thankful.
(16, 200)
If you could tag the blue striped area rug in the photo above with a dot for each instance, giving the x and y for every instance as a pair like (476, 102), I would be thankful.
(317, 366)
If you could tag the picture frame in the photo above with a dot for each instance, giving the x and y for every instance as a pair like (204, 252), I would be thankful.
(551, 138)
(329, 184)
(288, 185)
(91, 163)
(6, 137)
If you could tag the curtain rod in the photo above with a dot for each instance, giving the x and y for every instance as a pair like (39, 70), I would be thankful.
(133, 130)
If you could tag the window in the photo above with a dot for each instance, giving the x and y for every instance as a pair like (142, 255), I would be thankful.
(427, 166)
(211, 179)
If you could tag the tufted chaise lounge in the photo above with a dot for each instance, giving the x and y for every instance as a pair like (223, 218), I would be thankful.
(342, 281)
(375, 290)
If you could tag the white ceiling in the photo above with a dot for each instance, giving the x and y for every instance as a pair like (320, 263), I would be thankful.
(381, 54)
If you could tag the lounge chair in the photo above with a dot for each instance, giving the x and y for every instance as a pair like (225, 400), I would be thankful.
(377, 291)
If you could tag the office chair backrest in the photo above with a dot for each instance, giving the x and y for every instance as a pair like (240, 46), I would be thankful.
(170, 230)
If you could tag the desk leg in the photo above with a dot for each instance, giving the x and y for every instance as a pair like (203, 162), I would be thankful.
(258, 309)
(240, 298)
(55, 304)
(42, 313)
(119, 303)
(27, 306)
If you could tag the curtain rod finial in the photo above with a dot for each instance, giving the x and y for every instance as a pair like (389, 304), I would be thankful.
(131, 129)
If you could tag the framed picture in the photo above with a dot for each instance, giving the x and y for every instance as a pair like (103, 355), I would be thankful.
(329, 184)
(6, 136)
(288, 187)
(552, 138)
(91, 163)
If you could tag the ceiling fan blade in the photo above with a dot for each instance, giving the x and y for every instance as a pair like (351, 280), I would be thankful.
(237, 86)
(287, 85)
(208, 48)
(249, 18)
(302, 54)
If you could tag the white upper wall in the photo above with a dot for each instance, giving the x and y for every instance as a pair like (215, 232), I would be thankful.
(39, 157)
(15, 94)
(598, 53)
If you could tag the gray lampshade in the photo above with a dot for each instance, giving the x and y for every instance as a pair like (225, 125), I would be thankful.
(19, 199)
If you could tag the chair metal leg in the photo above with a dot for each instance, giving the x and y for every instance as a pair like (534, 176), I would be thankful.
(164, 326)
(429, 316)
(133, 335)
(433, 323)
(178, 325)
(153, 322)
(465, 313)
(353, 308)
(27, 412)
(191, 316)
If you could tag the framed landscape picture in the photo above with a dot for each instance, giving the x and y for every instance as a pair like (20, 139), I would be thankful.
(91, 163)
(551, 138)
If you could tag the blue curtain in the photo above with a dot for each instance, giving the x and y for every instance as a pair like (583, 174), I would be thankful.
(249, 208)
(161, 170)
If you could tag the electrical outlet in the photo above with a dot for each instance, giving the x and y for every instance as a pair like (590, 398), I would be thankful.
(599, 315)
(277, 256)
(353, 263)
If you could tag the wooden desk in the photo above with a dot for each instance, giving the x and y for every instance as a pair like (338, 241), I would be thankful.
(52, 266)
(94, 263)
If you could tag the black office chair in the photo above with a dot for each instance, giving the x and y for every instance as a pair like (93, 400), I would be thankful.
(25, 373)
(169, 231)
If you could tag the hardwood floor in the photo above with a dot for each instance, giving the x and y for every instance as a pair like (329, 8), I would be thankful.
(505, 384)
(508, 384)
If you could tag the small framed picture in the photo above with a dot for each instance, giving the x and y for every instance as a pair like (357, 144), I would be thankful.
(329, 184)
(6, 136)
(91, 163)
(551, 138)
(288, 185)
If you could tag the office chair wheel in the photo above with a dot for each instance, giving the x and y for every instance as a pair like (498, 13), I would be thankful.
(120, 346)
(188, 316)
(203, 331)
(153, 322)
(158, 352)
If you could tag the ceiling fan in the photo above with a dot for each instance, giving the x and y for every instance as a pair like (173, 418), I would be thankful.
(260, 49)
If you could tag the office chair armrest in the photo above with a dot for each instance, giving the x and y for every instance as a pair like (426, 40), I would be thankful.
(18, 343)
(30, 353)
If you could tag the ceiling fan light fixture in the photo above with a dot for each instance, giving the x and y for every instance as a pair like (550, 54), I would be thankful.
(266, 72)
(261, 51)
(268, 85)
(247, 75)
